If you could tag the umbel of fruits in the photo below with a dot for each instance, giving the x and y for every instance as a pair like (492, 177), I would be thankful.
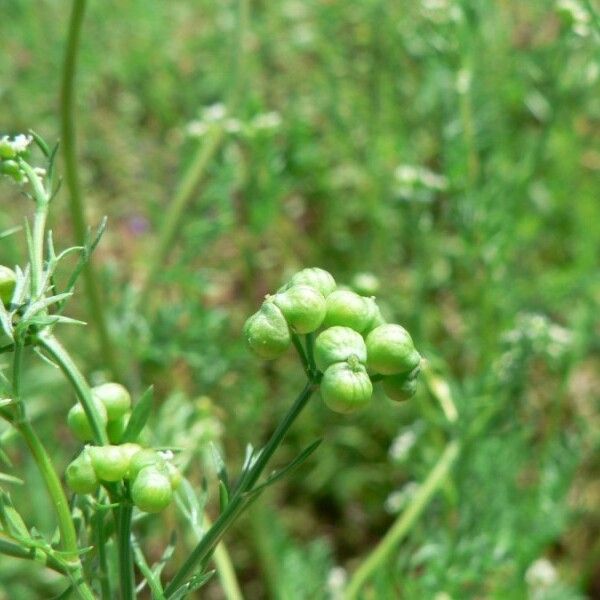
(302, 306)
(346, 386)
(80, 474)
(78, 422)
(151, 490)
(8, 281)
(115, 397)
(267, 332)
(338, 344)
(390, 350)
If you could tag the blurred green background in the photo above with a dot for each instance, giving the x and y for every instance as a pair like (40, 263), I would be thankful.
(448, 148)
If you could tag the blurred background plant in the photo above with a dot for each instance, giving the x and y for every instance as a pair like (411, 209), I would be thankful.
(447, 150)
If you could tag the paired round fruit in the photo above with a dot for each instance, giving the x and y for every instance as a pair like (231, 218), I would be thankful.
(8, 280)
(267, 332)
(316, 278)
(348, 309)
(115, 397)
(346, 387)
(79, 424)
(152, 490)
(80, 474)
(303, 307)
(390, 350)
(338, 344)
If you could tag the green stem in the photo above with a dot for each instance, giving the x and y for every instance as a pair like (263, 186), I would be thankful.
(61, 357)
(105, 588)
(225, 571)
(404, 523)
(240, 498)
(146, 571)
(125, 511)
(76, 207)
(68, 535)
(10, 547)
(171, 224)
(301, 353)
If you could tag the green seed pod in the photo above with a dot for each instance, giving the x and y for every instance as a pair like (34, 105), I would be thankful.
(80, 474)
(267, 332)
(6, 149)
(346, 387)
(115, 397)
(347, 309)
(151, 491)
(390, 350)
(109, 462)
(314, 277)
(302, 306)
(338, 344)
(8, 280)
(401, 387)
(365, 284)
(143, 459)
(78, 422)
(116, 429)
(11, 169)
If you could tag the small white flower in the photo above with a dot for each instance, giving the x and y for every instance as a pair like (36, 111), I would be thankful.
(269, 120)
(541, 573)
(402, 444)
(213, 113)
(336, 581)
(20, 143)
(463, 81)
(398, 499)
(196, 128)
(166, 454)
(233, 126)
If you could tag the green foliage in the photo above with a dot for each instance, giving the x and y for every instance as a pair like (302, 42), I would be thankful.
(444, 147)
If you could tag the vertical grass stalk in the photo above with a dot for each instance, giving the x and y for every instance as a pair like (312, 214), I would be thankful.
(403, 524)
(76, 206)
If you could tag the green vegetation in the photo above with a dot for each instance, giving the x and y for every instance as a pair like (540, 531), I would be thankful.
(440, 155)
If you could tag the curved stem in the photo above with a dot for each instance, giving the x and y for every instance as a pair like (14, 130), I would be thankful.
(405, 521)
(68, 535)
(61, 357)
(240, 498)
(76, 207)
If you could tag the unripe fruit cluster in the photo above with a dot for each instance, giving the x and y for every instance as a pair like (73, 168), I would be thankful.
(355, 340)
(152, 477)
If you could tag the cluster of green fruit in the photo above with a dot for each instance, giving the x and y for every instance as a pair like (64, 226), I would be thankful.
(355, 343)
(152, 477)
